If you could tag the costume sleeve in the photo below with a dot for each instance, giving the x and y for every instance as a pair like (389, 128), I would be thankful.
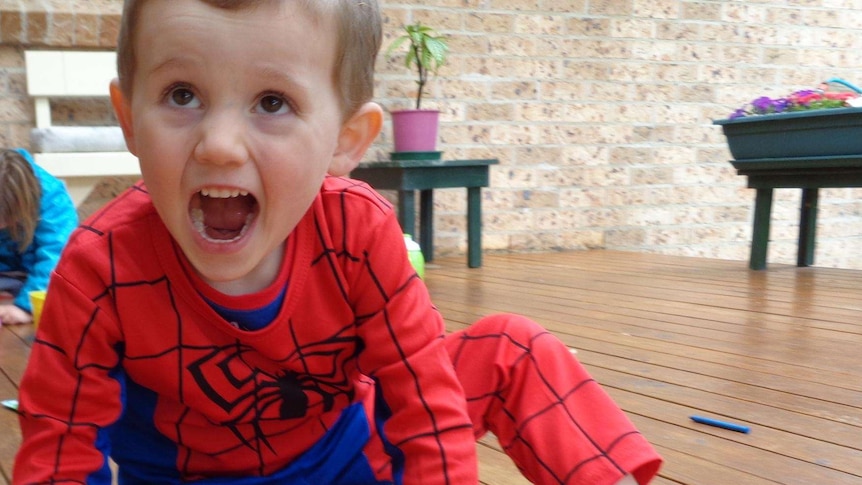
(418, 394)
(68, 394)
(57, 219)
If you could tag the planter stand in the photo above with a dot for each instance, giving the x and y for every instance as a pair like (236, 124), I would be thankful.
(808, 150)
(808, 174)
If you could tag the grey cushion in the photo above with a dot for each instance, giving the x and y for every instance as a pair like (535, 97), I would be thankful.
(78, 139)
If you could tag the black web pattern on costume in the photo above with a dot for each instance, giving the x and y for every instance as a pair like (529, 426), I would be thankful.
(270, 395)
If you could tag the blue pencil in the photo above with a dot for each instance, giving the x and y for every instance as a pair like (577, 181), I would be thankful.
(721, 424)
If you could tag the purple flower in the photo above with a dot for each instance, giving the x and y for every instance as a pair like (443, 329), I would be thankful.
(766, 105)
(781, 105)
(738, 113)
(762, 105)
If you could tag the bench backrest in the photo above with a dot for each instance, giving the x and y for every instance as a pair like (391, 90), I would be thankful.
(80, 155)
(67, 74)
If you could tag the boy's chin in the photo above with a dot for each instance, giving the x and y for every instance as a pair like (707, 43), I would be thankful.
(218, 261)
(237, 272)
(236, 281)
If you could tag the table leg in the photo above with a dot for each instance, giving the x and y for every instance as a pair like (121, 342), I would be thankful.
(474, 227)
(426, 224)
(807, 227)
(407, 212)
(760, 233)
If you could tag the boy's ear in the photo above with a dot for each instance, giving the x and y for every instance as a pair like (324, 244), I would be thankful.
(356, 136)
(123, 110)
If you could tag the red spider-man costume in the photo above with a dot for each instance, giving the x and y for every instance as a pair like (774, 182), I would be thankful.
(351, 382)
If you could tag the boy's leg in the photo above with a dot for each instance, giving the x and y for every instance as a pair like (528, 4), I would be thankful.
(550, 416)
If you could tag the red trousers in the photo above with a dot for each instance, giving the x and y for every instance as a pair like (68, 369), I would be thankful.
(555, 422)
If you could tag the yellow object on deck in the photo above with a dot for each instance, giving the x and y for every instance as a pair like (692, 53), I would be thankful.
(37, 299)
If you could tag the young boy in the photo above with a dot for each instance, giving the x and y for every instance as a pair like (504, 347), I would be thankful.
(247, 316)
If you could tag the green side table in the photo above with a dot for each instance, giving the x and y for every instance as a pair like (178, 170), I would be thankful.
(408, 176)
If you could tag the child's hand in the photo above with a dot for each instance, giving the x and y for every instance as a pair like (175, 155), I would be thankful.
(12, 315)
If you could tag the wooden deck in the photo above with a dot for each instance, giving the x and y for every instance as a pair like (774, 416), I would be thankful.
(777, 350)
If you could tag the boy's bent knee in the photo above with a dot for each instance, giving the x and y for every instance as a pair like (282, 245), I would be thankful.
(511, 324)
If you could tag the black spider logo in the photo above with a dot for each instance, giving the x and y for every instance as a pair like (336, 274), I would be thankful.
(252, 394)
(294, 401)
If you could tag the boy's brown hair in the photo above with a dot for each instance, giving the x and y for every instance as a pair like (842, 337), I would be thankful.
(359, 38)
(20, 198)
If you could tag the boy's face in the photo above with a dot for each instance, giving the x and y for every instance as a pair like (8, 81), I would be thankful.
(235, 118)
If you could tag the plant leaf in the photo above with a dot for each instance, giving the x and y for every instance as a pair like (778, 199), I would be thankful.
(437, 48)
(395, 45)
(426, 52)
(410, 58)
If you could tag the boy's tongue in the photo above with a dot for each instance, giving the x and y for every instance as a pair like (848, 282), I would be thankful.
(225, 218)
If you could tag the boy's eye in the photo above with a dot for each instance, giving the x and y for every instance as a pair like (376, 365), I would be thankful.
(183, 97)
(273, 104)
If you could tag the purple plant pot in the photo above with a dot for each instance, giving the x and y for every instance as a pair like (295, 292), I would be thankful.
(415, 130)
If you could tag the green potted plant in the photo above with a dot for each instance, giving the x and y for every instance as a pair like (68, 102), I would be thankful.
(415, 130)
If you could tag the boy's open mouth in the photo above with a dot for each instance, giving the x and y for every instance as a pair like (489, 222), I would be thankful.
(222, 215)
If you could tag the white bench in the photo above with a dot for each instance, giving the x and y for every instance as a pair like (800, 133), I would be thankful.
(79, 155)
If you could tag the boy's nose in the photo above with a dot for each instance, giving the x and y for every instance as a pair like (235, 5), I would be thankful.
(221, 140)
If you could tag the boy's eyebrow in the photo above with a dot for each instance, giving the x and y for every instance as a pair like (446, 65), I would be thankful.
(282, 78)
(266, 73)
(172, 62)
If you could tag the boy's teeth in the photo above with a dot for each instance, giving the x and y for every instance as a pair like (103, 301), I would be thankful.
(198, 220)
(218, 193)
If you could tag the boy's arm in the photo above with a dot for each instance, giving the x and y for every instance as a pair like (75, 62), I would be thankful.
(417, 388)
(67, 394)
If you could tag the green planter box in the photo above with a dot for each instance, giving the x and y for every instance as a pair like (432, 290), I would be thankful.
(817, 133)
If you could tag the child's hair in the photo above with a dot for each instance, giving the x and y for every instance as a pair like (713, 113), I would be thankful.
(20, 195)
(359, 38)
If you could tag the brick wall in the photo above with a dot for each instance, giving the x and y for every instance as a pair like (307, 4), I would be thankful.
(600, 113)
(598, 110)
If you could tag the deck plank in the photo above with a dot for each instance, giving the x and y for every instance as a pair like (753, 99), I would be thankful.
(14, 349)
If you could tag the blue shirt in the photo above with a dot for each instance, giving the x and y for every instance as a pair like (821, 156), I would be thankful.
(57, 219)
